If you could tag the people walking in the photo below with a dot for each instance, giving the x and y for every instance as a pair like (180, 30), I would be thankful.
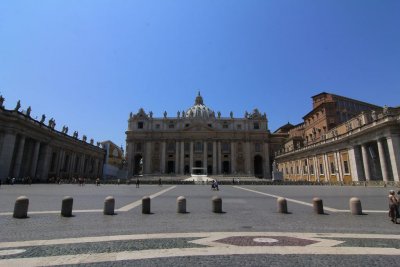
(137, 182)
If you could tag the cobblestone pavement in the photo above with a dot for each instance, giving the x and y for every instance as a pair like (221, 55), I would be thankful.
(250, 232)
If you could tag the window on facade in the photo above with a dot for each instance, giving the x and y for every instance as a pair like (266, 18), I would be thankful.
(140, 125)
(297, 169)
(157, 126)
(210, 147)
(239, 126)
(171, 126)
(257, 147)
(198, 147)
(333, 167)
(187, 147)
(139, 147)
(209, 125)
(171, 147)
(346, 167)
(321, 169)
(305, 171)
(225, 147)
(256, 126)
(225, 126)
(187, 125)
(291, 170)
(312, 169)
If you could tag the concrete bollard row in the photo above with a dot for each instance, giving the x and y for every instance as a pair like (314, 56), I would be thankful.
(216, 204)
(146, 205)
(109, 205)
(21, 207)
(66, 206)
(181, 204)
(355, 206)
(318, 205)
(282, 205)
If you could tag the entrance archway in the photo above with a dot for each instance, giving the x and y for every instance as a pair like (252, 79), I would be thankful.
(138, 165)
(258, 166)
(171, 166)
(225, 167)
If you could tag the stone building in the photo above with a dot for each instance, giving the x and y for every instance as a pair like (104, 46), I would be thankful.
(201, 141)
(114, 161)
(365, 147)
(29, 147)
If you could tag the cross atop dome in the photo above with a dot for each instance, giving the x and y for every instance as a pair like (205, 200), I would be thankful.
(199, 99)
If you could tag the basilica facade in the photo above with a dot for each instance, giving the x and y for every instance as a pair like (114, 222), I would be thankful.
(200, 141)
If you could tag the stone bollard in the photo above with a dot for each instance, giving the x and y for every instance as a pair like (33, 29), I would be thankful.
(21, 207)
(146, 205)
(109, 204)
(282, 205)
(318, 205)
(355, 206)
(181, 204)
(66, 207)
(216, 204)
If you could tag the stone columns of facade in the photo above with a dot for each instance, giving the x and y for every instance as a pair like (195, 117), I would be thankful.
(233, 157)
(394, 152)
(267, 169)
(365, 162)
(162, 161)
(96, 167)
(316, 168)
(327, 170)
(355, 164)
(71, 169)
(18, 159)
(215, 171)
(82, 167)
(205, 156)
(382, 160)
(44, 165)
(219, 157)
(339, 166)
(147, 158)
(6, 155)
(177, 157)
(248, 158)
(129, 158)
(60, 161)
(35, 160)
(182, 163)
(191, 157)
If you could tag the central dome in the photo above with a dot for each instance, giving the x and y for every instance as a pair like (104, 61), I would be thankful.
(199, 110)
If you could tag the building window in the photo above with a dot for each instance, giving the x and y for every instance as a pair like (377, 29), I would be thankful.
(312, 169)
(138, 147)
(346, 167)
(225, 147)
(291, 170)
(187, 147)
(256, 126)
(333, 168)
(157, 126)
(257, 147)
(321, 169)
(209, 125)
(239, 126)
(198, 147)
(171, 147)
(297, 169)
(171, 126)
(210, 147)
(225, 125)
(140, 125)
(187, 125)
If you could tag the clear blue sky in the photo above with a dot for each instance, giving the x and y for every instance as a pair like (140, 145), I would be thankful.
(89, 64)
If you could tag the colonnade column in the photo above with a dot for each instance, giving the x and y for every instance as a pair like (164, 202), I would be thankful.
(394, 152)
(266, 160)
(233, 157)
(205, 157)
(6, 154)
(182, 165)
(18, 159)
(219, 157)
(247, 158)
(45, 165)
(35, 160)
(382, 160)
(177, 157)
(215, 171)
(162, 161)
(339, 166)
(147, 158)
(354, 160)
(365, 162)
(327, 170)
(191, 158)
